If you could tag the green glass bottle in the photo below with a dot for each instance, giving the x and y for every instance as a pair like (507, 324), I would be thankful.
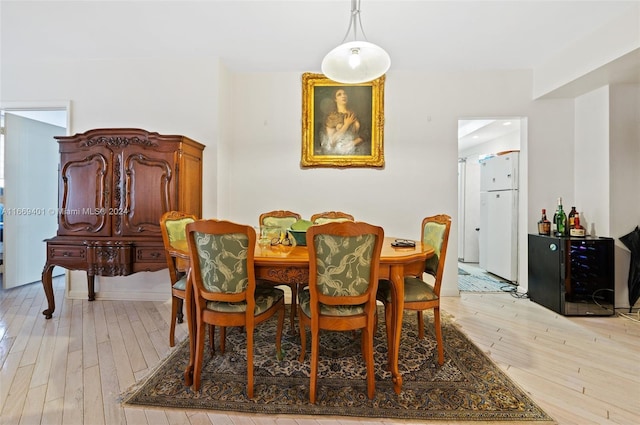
(560, 219)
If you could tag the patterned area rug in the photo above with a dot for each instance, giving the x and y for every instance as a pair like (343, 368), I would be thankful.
(482, 282)
(467, 387)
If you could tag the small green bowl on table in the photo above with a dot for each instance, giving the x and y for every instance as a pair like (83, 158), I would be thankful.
(299, 231)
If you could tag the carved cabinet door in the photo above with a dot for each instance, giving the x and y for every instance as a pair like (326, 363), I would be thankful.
(85, 192)
(148, 190)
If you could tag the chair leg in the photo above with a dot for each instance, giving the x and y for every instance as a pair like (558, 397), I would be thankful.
(303, 335)
(420, 325)
(249, 328)
(438, 328)
(294, 303)
(315, 348)
(368, 356)
(212, 340)
(172, 326)
(197, 369)
(223, 338)
(279, 332)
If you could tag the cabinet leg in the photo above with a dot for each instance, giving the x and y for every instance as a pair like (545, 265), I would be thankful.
(47, 283)
(91, 286)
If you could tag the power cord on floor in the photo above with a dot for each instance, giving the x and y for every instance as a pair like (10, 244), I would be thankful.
(513, 290)
(629, 316)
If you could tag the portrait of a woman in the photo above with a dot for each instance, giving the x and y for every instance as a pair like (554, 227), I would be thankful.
(342, 124)
(343, 121)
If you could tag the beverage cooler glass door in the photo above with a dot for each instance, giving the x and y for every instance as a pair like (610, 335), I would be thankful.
(590, 288)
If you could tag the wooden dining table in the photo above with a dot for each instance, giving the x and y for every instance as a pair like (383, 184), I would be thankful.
(289, 265)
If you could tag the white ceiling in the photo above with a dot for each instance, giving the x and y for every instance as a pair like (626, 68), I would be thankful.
(478, 131)
(288, 35)
(294, 35)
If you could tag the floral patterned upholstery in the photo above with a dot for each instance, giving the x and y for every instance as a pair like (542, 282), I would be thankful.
(344, 267)
(225, 294)
(418, 294)
(223, 267)
(416, 289)
(341, 296)
(173, 229)
(433, 234)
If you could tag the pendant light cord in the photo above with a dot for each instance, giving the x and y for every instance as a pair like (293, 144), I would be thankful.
(355, 15)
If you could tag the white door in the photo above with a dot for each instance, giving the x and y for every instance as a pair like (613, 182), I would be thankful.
(30, 196)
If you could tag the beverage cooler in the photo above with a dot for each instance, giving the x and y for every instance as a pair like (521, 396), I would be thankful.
(572, 276)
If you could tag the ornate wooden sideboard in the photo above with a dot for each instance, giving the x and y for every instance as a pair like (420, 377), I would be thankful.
(114, 185)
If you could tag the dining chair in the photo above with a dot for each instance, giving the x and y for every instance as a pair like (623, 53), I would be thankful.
(282, 219)
(341, 296)
(279, 218)
(224, 288)
(327, 216)
(172, 227)
(418, 294)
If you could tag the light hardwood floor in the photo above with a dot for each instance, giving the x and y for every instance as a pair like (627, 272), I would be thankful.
(72, 369)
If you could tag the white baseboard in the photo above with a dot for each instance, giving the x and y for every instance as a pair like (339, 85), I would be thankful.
(120, 296)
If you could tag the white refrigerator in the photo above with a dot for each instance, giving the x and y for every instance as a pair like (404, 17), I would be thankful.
(498, 237)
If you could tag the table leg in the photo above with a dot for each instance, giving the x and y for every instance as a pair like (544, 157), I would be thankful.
(397, 297)
(47, 283)
(191, 322)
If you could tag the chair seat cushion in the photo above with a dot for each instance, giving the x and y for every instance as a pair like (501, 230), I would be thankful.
(181, 284)
(266, 297)
(415, 290)
(304, 298)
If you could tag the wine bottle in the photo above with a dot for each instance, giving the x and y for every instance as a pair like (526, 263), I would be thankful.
(577, 230)
(572, 214)
(544, 225)
(561, 220)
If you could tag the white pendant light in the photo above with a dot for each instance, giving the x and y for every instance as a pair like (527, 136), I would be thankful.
(356, 61)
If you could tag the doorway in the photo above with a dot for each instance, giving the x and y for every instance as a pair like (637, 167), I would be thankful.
(28, 182)
(479, 139)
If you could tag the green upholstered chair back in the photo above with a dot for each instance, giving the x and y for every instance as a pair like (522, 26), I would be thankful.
(435, 232)
(281, 222)
(343, 263)
(323, 220)
(176, 229)
(343, 268)
(331, 217)
(223, 261)
(282, 219)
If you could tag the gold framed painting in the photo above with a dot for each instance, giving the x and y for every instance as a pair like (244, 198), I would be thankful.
(342, 124)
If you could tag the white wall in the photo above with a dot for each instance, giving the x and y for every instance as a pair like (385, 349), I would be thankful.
(168, 96)
(420, 176)
(624, 179)
(607, 175)
(589, 62)
(591, 162)
(251, 124)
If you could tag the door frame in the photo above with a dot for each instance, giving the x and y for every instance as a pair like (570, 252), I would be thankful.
(523, 189)
(35, 107)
